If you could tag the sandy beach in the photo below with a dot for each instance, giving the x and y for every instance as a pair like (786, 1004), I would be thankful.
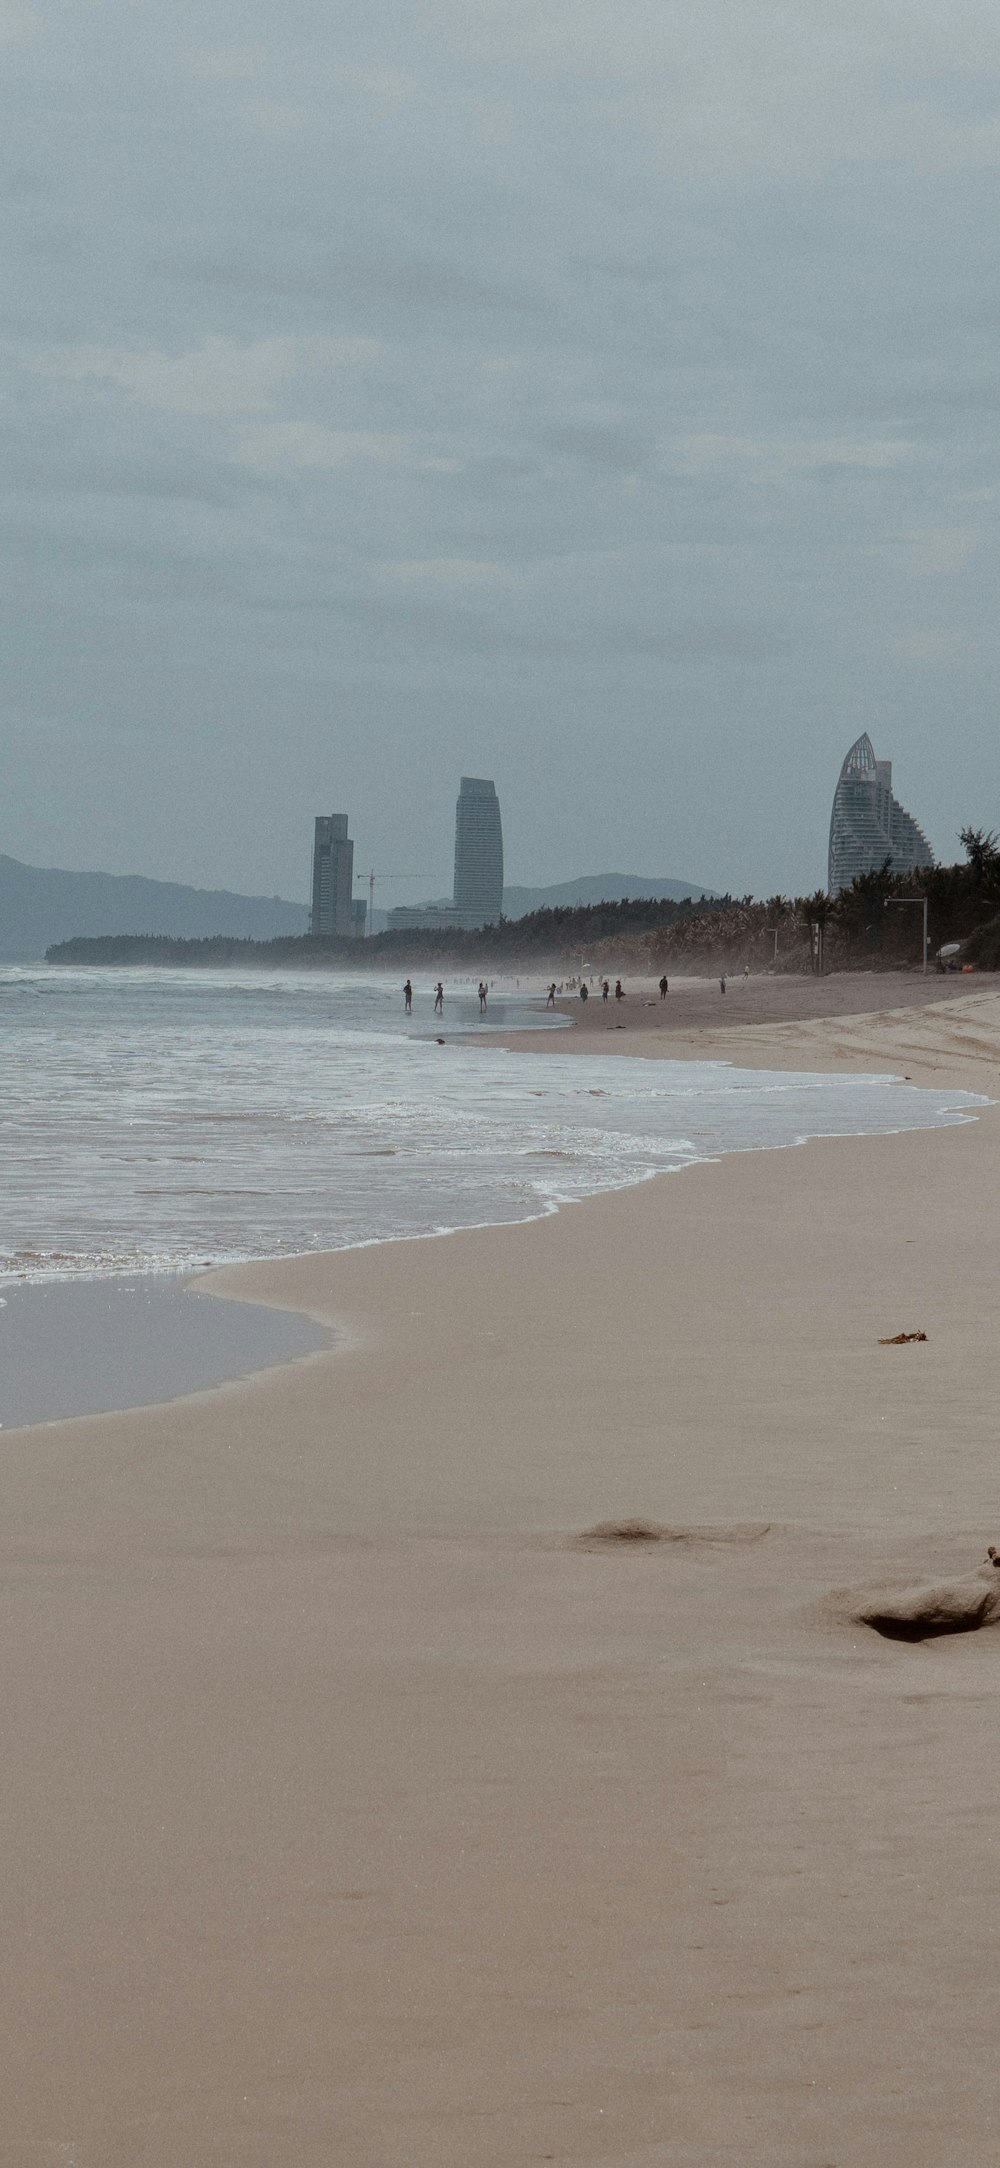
(363, 1808)
(694, 1005)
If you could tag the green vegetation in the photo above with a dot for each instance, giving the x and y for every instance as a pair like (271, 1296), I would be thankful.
(541, 935)
(983, 947)
(214, 949)
(861, 929)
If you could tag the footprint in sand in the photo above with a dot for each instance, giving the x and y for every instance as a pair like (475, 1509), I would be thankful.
(611, 1535)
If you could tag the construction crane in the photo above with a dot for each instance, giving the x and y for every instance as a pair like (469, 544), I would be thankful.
(371, 879)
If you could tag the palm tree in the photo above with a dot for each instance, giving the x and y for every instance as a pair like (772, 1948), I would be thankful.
(980, 847)
(861, 908)
(816, 912)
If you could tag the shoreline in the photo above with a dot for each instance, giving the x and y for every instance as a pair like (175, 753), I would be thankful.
(362, 1810)
(344, 1288)
(178, 1371)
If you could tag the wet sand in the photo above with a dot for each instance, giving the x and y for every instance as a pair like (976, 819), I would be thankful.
(81, 1346)
(358, 1811)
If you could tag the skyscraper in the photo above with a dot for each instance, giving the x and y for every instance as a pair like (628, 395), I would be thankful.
(478, 853)
(333, 877)
(868, 825)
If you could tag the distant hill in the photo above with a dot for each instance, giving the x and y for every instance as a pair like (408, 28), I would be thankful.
(598, 888)
(41, 905)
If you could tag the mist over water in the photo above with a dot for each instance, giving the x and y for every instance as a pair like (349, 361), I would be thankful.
(158, 1121)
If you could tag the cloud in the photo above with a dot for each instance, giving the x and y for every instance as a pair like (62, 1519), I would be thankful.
(17, 23)
(942, 549)
(388, 86)
(221, 378)
(774, 459)
(726, 87)
(675, 405)
(286, 447)
(233, 63)
(274, 116)
(598, 444)
(923, 645)
(452, 572)
(721, 638)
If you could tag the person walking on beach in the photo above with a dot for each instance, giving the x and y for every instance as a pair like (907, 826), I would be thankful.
(664, 987)
(605, 989)
(438, 998)
(483, 991)
(722, 986)
(551, 1001)
(584, 990)
(619, 990)
(407, 998)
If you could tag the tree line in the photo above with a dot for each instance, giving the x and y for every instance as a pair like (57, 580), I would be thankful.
(552, 932)
(860, 929)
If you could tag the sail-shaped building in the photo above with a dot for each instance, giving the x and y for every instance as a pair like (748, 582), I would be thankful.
(868, 825)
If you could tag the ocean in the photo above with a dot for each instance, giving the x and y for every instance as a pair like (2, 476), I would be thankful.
(155, 1122)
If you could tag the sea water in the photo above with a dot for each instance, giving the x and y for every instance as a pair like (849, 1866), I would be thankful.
(159, 1121)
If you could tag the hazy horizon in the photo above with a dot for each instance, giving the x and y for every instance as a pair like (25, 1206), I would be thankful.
(598, 399)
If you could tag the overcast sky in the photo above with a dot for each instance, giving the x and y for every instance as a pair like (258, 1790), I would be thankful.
(599, 395)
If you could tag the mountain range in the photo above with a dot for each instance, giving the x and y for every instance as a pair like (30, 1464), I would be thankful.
(40, 905)
(598, 888)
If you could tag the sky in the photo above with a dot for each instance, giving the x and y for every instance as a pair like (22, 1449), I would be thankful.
(599, 396)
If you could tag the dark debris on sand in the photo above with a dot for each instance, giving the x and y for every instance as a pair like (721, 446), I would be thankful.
(609, 1535)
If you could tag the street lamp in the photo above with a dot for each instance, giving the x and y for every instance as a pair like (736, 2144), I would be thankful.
(922, 901)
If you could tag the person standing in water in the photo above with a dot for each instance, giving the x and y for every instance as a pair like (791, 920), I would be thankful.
(483, 992)
(438, 998)
(407, 998)
(551, 1000)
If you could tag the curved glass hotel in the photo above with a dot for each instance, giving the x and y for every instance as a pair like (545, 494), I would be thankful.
(868, 825)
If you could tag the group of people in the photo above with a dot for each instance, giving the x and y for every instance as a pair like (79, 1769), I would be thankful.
(584, 990)
(664, 985)
(483, 991)
(551, 992)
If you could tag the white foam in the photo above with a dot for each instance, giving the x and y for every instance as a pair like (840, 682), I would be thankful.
(159, 1121)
